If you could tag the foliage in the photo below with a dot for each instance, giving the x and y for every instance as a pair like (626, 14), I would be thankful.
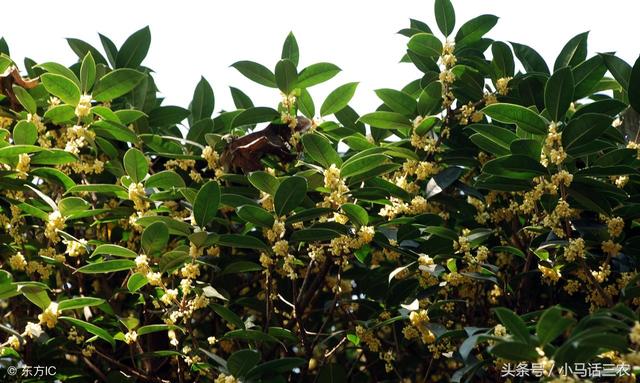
(485, 213)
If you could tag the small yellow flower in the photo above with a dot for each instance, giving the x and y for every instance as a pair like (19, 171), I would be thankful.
(130, 337)
(50, 315)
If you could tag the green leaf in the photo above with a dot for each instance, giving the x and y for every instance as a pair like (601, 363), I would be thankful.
(60, 113)
(286, 75)
(386, 120)
(558, 93)
(165, 179)
(305, 104)
(515, 166)
(356, 213)
(425, 44)
(72, 205)
(25, 133)
(254, 115)
(25, 99)
(87, 72)
(289, 195)
(240, 99)
(514, 324)
(445, 16)
(315, 74)
(474, 29)
(398, 101)
(583, 130)
(135, 282)
(117, 83)
(338, 99)
(135, 164)
(430, 99)
(530, 59)
(203, 102)
(514, 351)
(167, 115)
(620, 70)
(61, 87)
(228, 315)
(206, 203)
(107, 266)
(256, 215)
(250, 335)
(361, 165)
(109, 48)
(36, 295)
(80, 48)
(117, 190)
(497, 140)
(551, 325)
(55, 68)
(321, 150)
(573, 53)
(502, 61)
(264, 181)
(115, 250)
(526, 119)
(281, 365)
(256, 72)
(634, 86)
(442, 180)
(91, 328)
(290, 49)
(78, 303)
(155, 238)
(152, 328)
(134, 49)
(240, 362)
(241, 267)
(587, 75)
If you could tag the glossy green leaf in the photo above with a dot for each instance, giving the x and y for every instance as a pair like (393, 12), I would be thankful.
(136, 165)
(558, 93)
(289, 195)
(321, 150)
(338, 99)
(117, 83)
(205, 207)
(445, 16)
(61, 87)
(526, 119)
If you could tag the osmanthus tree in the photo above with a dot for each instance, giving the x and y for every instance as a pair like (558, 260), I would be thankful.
(485, 215)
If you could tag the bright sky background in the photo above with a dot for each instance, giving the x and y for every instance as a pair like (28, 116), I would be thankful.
(193, 38)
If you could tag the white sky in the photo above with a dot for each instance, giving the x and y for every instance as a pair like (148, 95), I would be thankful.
(192, 38)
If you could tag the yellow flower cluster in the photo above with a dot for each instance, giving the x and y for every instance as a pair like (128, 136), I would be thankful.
(338, 189)
(553, 150)
(213, 160)
(23, 165)
(419, 321)
(502, 85)
(611, 248)
(55, 222)
(367, 337)
(130, 337)
(550, 274)
(222, 378)
(77, 137)
(137, 194)
(17, 262)
(615, 226)
(84, 106)
(50, 315)
(575, 250)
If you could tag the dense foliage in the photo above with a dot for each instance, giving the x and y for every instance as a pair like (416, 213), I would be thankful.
(485, 214)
